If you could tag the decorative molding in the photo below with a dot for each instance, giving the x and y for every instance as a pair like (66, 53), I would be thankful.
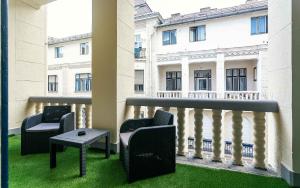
(206, 54)
(77, 65)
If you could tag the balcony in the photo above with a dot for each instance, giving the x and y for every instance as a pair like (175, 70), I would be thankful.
(230, 95)
(195, 151)
(140, 53)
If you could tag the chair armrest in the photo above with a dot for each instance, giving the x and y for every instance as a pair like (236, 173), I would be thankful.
(67, 122)
(149, 139)
(133, 124)
(31, 121)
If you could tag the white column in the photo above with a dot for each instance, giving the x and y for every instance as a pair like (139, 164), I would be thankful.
(259, 72)
(88, 113)
(220, 75)
(151, 111)
(79, 116)
(259, 140)
(185, 77)
(181, 131)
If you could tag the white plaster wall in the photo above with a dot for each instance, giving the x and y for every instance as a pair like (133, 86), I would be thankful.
(227, 32)
(71, 52)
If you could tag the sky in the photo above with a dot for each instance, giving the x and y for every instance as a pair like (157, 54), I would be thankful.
(72, 17)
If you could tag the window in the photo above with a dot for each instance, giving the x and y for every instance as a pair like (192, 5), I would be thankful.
(259, 25)
(52, 83)
(58, 52)
(236, 79)
(198, 33)
(83, 82)
(84, 48)
(137, 46)
(173, 81)
(139, 81)
(202, 80)
(169, 37)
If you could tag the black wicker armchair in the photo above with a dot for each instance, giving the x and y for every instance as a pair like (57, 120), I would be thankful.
(36, 130)
(147, 146)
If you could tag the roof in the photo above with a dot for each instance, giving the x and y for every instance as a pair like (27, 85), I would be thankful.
(52, 40)
(208, 13)
(143, 11)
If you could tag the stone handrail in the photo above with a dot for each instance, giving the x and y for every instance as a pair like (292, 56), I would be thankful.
(81, 105)
(259, 109)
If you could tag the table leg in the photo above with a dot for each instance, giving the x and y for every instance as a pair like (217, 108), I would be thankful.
(107, 145)
(82, 160)
(52, 155)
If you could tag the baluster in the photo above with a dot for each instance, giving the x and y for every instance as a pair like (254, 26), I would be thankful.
(237, 137)
(79, 116)
(151, 111)
(137, 112)
(73, 107)
(180, 131)
(217, 117)
(88, 114)
(259, 140)
(39, 108)
(198, 116)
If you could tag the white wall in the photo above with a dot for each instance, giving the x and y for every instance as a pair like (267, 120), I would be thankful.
(227, 32)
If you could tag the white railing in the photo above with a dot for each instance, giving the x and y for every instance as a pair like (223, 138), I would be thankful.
(169, 94)
(203, 95)
(233, 95)
(82, 106)
(259, 109)
(242, 95)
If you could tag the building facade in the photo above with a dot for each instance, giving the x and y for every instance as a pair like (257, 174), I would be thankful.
(211, 54)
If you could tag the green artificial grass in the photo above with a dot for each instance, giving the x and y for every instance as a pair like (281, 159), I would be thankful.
(33, 171)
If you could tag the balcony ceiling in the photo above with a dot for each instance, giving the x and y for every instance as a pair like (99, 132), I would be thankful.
(37, 3)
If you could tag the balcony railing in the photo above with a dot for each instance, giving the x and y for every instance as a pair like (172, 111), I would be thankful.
(238, 150)
(233, 95)
(169, 94)
(242, 95)
(203, 95)
(140, 53)
(81, 105)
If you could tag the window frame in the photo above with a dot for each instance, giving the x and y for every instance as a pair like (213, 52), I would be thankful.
(86, 47)
(174, 79)
(139, 88)
(58, 53)
(239, 76)
(170, 41)
(208, 79)
(196, 34)
(80, 81)
(257, 25)
(55, 90)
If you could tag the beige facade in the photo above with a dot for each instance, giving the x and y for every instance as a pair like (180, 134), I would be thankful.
(27, 57)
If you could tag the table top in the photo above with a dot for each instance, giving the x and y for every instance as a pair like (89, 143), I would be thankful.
(72, 137)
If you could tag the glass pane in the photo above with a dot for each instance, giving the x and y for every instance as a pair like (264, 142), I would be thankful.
(242, 72)
(243, 84)
(201, 33)
(203, 84)
(235, 72)
(173, 37)
(179, 74)
(254, 25)
(166, 37)
(192, 34)
(229, 84)
(262, 24)
(229, 72)
(178, 84)
(235, 84)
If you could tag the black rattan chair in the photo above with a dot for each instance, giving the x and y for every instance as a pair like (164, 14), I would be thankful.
(36, 130)
(147, 146)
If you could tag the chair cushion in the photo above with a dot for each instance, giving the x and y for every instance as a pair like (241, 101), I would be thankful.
(162, 118)
(53, 114)
(44, 127)
(124, 137)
